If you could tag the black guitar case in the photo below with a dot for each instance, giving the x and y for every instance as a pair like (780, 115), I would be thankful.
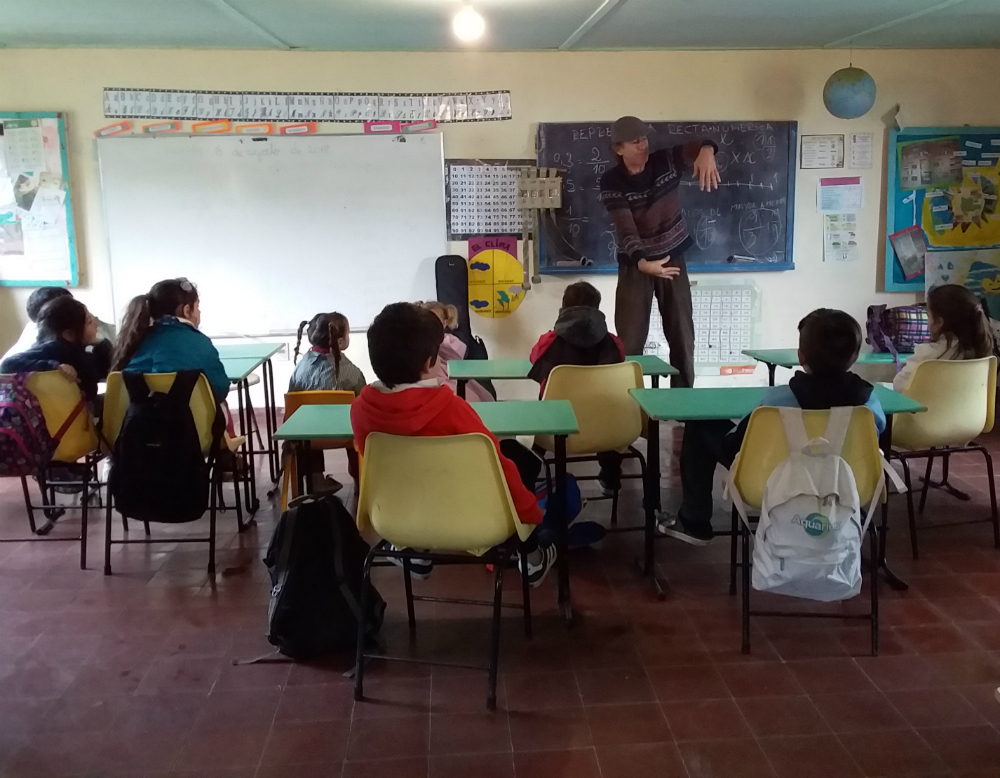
(451, 275)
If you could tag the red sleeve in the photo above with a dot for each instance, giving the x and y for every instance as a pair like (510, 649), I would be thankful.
(618, 342)
(542, 346)
(359, 423)
(464, 419)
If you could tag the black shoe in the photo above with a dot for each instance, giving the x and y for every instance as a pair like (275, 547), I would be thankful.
(680, 531)
(537, 572)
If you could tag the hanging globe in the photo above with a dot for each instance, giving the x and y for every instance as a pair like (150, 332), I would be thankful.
(849, 93)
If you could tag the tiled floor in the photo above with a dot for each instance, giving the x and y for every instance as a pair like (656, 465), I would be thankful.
(132, 675)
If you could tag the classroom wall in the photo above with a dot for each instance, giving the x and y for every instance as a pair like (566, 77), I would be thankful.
(933, 88)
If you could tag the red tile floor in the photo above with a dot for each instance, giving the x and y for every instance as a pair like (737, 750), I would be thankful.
(132, 675)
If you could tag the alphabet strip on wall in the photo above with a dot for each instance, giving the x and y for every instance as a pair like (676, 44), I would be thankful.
(122, 103)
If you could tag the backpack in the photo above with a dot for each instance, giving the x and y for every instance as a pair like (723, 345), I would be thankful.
(158, 470)
(808, 540)
(25, 443)
(316, 561)
(451, 276)
(897, 330)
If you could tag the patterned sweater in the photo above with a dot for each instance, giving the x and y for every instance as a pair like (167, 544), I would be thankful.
(645, 208)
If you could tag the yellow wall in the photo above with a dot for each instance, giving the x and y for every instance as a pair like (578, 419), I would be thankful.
(933, 87)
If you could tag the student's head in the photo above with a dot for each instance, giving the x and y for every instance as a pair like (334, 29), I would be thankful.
(581, 293)
(956, 315)
(448, 314)
(38, 298)
(829, 342)
(64, 318)
(629, 140)
(330, 332)
(403, 343)
(173, 297)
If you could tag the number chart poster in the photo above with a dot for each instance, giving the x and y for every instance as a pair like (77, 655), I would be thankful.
(744, 225)
(942, 220)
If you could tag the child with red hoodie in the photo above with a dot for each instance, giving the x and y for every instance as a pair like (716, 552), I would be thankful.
(403, 344)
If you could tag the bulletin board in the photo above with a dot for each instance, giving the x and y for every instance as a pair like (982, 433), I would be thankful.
(942, 220)
(37, 242)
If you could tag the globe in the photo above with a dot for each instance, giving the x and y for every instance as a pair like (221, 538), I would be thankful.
(849, 93)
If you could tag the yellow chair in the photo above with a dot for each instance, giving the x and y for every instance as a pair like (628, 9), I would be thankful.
(764, 448)
(608, 417)
(294, 401)
(210, 425)
(69, 423)
(960, 396)
(447, 494)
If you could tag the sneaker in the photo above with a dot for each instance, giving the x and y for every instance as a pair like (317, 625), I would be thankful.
(419, 568)
(538, 570)
(606, 488)
(686, 535)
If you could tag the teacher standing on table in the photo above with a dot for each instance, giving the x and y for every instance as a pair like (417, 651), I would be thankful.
(641, 194)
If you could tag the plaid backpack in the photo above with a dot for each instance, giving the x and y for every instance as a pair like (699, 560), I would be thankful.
(25, 442)
(897, 330)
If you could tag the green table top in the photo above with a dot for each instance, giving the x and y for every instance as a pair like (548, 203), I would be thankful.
(251, 350)
(500, 369)
(237, 369)
(735, 402)
(506, 419)
(789, 357)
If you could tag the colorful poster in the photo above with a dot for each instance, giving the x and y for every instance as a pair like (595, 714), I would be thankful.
(495, 276)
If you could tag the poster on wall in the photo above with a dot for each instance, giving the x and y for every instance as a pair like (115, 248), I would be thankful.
(943, 185)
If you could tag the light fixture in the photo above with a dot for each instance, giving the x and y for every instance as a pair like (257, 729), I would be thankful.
(468, 25)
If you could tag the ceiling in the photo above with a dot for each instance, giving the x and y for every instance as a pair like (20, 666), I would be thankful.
(512, 25)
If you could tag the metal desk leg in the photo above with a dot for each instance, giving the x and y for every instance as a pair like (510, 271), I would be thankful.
(894, 581)
(651, 506)
(770, 373)
(461, 388)
(655, 379)
(302, 466)
(562, 531)
(251, 479)
(270, 418)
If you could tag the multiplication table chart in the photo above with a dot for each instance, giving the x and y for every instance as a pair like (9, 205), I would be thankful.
(482, 197)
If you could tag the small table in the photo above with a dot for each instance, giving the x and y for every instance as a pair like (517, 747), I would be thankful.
(715, 404)
(465, 370)
(506, 419)
(240, 361)
(789, 357)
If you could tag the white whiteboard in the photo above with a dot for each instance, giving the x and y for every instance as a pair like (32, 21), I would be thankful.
(274, 230)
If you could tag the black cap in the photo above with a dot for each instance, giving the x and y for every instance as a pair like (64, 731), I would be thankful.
(629, 128)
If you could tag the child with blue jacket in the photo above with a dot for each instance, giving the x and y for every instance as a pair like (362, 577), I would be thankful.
(829, 343)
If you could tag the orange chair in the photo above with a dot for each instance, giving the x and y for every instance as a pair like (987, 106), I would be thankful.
(294, 401)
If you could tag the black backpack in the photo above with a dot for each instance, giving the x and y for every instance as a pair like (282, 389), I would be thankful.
(158, 471)
(316, 561)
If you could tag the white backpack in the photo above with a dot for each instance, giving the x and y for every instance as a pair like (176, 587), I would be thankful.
(808, 540)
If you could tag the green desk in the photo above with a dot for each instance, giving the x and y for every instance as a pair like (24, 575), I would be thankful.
(714, 404)
(464, 370)
(240, 360)
(506, 419)
(789, 357)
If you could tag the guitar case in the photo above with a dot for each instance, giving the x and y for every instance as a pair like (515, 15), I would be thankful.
(451, 276)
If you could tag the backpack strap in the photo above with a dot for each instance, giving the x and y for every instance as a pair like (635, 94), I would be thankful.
(135, 385)
(836, 428)
(183, 386)
(795, 428)
(69, 420)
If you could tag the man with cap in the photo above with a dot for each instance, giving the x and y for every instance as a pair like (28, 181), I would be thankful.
(641, 194)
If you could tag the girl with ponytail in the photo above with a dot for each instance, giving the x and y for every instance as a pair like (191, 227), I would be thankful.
(160, 335)
(324, 365)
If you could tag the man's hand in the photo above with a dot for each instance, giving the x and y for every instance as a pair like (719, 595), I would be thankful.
(706, 171)
(69, 371)
(660, 268)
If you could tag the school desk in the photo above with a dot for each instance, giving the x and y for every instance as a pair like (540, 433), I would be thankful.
(465, 370)
(714, 404)
(506, 419)
(240, 362)
(789, 357)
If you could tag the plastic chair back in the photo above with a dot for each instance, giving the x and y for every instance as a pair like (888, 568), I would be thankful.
(764, 447)
(438, 493)
(203, 406)
(960, 396)
(608, 417)
(58, 398)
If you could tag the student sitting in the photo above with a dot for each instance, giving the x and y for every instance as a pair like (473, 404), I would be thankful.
(403, 344)
(453, 348)
(324, 366)
(101, 348)
(959, 330)
(65, 329)
(581, 337)
(829, 342)
(160, 335)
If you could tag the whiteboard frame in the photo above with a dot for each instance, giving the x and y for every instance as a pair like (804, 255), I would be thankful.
(74, 266)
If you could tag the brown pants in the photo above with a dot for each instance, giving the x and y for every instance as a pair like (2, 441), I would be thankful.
(633, 303)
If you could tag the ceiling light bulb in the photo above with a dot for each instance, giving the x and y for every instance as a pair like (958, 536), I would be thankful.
(467, 24)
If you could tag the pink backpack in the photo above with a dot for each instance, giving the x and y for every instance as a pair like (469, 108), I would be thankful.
(25, 443)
